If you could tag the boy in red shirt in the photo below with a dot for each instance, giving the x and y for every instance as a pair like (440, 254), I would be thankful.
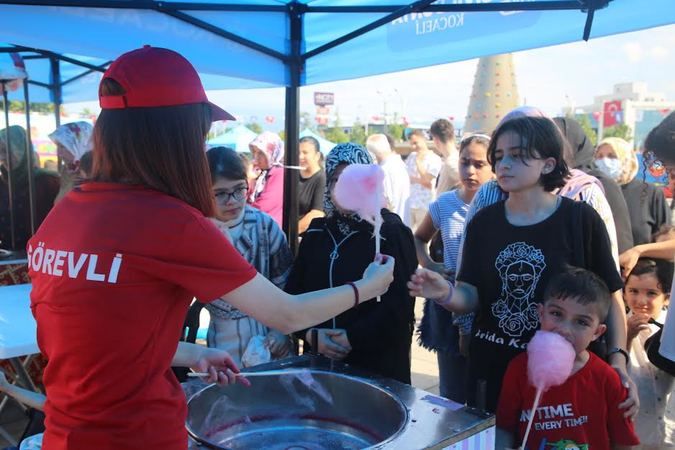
(583, 412)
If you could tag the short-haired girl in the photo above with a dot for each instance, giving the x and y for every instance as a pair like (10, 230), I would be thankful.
(512, 249)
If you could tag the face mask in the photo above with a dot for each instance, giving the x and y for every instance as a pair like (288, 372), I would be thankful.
(609, 166)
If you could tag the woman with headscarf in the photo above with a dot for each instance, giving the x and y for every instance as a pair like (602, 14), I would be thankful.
(647, 205)
(582, 149)
(334, 251)
(268, 192)
(46, 186)
(72, 141)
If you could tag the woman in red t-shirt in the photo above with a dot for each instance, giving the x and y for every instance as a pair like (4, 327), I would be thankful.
(118, 260)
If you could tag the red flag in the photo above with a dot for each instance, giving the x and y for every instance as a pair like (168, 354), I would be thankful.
(612, 113)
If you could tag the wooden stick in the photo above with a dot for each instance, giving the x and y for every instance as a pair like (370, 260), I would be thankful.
(529, 424)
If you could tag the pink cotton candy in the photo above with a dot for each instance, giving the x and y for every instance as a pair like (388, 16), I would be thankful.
(550, 358)
(360, 189)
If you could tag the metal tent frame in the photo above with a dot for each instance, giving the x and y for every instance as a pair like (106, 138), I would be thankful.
(294, 60)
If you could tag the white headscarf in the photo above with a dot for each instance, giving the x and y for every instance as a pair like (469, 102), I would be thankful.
(75, 137)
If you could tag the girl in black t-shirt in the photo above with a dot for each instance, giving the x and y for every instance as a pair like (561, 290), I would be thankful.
(513, 247)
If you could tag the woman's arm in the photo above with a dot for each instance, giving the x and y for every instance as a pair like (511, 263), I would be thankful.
(462, 298)
(659, 250)
(287, 313)
(425, 231)
(29, 398)
(307, 219)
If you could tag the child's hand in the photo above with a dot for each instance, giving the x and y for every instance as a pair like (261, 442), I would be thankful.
(428, 284)
(631, 405)
(636, 323)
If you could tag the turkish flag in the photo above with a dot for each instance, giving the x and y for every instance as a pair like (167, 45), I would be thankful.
(613, 113)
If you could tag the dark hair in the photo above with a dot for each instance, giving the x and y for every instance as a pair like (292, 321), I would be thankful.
(661, 141)
(160, 147)
(660, 268)
(86, 161)
(225, 163)
(312, 140)
(582, 286)
(540, 139)
(470, 139)
(443, 129)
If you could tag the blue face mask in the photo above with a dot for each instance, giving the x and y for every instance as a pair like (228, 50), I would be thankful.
(610, 167)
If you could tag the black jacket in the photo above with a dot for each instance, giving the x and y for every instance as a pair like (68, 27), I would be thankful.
(380, 333)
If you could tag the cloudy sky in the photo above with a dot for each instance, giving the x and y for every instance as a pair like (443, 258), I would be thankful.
(550, 78)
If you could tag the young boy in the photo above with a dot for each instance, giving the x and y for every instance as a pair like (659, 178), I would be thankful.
(583, 412)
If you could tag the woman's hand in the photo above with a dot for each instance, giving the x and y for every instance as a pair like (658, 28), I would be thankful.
(631, 405)
(428, 284)
(278, 343)
(379, 275)
(220, 367)
(332, 343)
(627, 261)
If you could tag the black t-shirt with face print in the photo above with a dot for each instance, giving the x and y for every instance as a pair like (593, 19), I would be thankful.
(510, 266)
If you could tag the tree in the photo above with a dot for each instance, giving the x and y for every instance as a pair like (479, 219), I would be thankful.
(585, 124)
(622, 131)
(336, 133)
(255, 127)
(396, 131)
(358, 134)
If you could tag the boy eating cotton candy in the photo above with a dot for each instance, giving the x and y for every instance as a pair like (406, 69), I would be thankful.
(582, 413)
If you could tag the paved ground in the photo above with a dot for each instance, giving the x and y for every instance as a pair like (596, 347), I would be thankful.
(424, 376)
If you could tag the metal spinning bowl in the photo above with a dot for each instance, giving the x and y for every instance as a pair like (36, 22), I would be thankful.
(293, 412)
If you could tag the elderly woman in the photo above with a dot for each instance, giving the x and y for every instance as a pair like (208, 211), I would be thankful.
(72, 141)
(46, 186)
(647, 205)
(268, 192)
(333, 252)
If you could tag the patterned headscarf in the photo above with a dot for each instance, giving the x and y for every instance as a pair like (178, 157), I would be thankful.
(628, 157)
(346, 153)
(273, 147)
(17, 145)
(75, 137)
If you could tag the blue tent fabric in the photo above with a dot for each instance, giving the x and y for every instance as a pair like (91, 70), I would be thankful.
(237, 139)
(417, 39)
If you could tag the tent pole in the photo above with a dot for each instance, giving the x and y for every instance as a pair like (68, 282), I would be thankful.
(292, 176)
(31, 162)
(56, 89)
(10, 181)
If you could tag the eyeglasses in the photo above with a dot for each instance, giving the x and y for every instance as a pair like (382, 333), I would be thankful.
(238, 195)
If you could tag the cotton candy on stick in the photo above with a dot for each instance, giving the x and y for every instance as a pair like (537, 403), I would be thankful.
(360, 189)
(550, 359)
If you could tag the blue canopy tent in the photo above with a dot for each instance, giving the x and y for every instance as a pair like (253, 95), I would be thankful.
(237, 139)
(293, 43)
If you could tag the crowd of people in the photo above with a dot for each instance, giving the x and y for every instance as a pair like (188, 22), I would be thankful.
(504, 232)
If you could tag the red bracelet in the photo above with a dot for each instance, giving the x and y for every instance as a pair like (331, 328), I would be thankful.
(356, 293)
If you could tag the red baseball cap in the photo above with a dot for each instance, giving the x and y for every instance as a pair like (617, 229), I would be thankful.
(152, 77)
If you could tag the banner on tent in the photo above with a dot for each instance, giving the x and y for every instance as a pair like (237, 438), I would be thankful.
(426, 29)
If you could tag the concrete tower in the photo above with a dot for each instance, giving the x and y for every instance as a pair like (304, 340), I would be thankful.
(494, 93)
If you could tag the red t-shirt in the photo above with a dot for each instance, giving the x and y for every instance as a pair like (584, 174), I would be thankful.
(114, 268)
(582, 411)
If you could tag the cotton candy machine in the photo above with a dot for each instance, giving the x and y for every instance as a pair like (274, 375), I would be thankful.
(319, 405)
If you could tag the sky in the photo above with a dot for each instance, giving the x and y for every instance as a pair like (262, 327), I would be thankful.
(550, 78)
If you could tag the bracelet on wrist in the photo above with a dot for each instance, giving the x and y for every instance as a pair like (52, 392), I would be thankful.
(356, 293)
(621, 351)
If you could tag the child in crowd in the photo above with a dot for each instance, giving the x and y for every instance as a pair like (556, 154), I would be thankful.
(646, 294)
(583, 412)
(447, 214)
(514, 247)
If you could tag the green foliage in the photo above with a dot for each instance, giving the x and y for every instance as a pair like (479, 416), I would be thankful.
(282, 135)
(585, 123)
(336, 134)
(255, 127)
(396, 131)
(358, 134)
(19, 106)
(622, 131)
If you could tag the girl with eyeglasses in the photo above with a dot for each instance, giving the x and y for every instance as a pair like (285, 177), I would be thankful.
(261, 242)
